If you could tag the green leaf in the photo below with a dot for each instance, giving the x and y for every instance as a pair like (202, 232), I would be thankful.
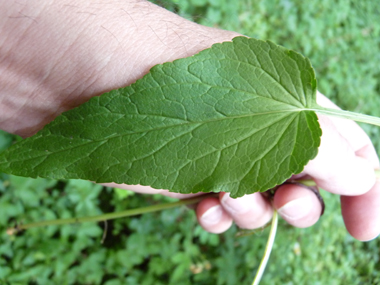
(236, 117)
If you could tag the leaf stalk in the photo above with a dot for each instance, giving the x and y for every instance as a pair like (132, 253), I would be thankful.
(348, 115)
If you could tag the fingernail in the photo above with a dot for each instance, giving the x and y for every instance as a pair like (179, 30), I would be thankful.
(212, 216)
(296, 209)
(239, 205)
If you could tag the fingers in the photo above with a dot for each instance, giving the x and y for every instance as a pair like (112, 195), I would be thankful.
(212, 217)
(297, 205)
(361, 214)
(248, 212)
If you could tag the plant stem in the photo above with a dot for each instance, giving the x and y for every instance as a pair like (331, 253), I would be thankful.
(110, 216)
(268, 249)
(348, 115)
(128, 213)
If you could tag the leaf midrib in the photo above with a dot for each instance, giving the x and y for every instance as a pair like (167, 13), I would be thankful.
(233, 88)
(164, 127)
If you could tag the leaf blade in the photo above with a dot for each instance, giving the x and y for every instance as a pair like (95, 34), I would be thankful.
(222, 120)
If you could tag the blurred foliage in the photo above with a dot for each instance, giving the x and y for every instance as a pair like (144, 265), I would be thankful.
(342, 40)
(162, 248)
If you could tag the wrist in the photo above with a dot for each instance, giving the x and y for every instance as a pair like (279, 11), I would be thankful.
(69, 52)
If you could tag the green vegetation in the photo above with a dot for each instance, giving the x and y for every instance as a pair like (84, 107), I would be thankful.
(342, 40)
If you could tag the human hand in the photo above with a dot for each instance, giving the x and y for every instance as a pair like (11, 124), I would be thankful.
(71, 51)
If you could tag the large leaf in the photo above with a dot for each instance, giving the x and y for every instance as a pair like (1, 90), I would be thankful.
(232, 118)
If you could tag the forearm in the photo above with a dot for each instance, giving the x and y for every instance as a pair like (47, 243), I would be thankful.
(56, 55)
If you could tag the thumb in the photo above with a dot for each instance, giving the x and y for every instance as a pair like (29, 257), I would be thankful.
(337, 168)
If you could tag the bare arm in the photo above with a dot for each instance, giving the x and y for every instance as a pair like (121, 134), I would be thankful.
(55, 55)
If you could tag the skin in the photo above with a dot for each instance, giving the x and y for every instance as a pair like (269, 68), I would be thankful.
(55, 55)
